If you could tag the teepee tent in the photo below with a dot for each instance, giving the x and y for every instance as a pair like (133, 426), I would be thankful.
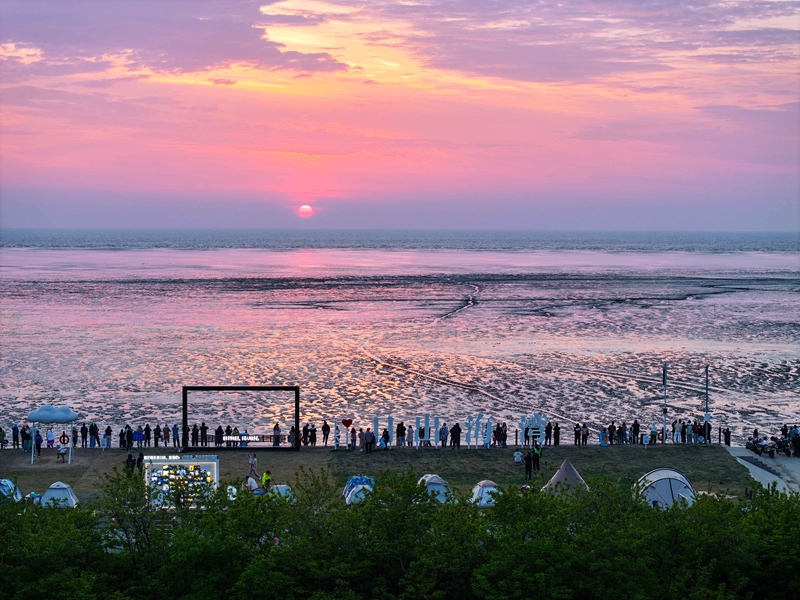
(437, 487)
(483, 494)
(9, 492)
(60, 494)
(566, 480)
(664, 487)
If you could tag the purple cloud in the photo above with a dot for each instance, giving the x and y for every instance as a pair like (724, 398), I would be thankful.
(163, 36)
(580, 40)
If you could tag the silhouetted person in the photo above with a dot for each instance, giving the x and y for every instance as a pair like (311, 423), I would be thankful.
(455, 436)
(528, 460)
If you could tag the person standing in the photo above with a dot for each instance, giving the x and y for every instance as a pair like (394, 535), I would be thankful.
(410, 436)
(252, 461)
(361, 439)
(612, 429)
(165, 432)
(148, 434)
(556, 435)
(107, 437)
(96, 435)
(175, 436)
(312, 435)
(15, 436)
(37, 440)
(326, 431)
(203, 434)
(455, 436)
(443, 433)
(684, 425)
(400, 432)
(156, 435)
(576, 432)
(727, 436)
(548, 433)
(84, 435)
(635, 431)
(195, 435)
(219, 433)
(353, 438)
(266, 480)
(537, 454)
(128, 438)
(305, 435)
(584, 435)
(528, 460)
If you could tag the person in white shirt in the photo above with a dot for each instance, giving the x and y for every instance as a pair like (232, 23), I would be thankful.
(250, 484)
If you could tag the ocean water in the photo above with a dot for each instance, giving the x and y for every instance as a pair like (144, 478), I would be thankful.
(378, 323)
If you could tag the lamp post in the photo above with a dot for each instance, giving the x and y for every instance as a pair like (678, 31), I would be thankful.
(664, 431)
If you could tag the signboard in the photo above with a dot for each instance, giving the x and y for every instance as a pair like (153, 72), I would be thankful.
(179, 478)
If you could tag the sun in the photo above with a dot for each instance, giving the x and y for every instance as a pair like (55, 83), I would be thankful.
(305, 211)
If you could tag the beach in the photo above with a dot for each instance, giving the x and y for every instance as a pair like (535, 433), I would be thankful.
(574, 330)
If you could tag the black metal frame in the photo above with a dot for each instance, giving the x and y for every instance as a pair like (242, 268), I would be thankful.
(241, 388)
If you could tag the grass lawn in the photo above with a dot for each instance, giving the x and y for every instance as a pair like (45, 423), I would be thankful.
(709, 468)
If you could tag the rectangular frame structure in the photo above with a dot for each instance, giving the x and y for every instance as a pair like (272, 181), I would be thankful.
(185, 447)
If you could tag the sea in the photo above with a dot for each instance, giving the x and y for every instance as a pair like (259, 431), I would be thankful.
(575, 326)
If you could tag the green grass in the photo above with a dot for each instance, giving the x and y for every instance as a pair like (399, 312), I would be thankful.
(709, 468)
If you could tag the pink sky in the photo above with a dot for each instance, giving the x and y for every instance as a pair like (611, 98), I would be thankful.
(638, 114)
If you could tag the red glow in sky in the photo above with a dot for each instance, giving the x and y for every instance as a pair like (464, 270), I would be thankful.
(440, 114)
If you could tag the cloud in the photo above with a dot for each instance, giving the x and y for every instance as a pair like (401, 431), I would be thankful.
(582, 40)
(51, 414)
(162, 36)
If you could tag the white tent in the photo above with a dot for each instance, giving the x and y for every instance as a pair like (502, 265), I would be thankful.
(664, 487)
(357, 494)
(60, 494)
(566, 480)
(9, 492)
(437, 487)
(282, 490)
(483, 494)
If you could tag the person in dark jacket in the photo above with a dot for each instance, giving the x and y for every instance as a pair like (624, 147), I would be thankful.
(612, 429)
(130, 463)
(218, 435)
(203, 434)
(528, 460)
(455, 437)
(548, 434)
(148, 434)
(195, 435)
(556, 435)
(635, 431)
(576, 431)
(156, 435)
(326, 431)
(128, 438)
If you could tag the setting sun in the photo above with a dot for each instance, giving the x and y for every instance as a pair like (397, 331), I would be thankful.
(305, 211)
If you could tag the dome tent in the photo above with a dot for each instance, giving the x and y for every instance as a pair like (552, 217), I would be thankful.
(282, 490)
(9, 492)
(483, 494)
(357, 494)
(664, 487)
(60, 494)
(566, 480)
(357, 480)
(437, 487)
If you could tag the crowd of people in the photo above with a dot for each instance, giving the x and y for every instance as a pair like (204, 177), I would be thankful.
(91, 435)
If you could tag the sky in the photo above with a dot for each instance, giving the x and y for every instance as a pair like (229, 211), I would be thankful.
(612, 114)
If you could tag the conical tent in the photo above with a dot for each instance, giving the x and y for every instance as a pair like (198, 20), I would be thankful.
(60, 494)
(483, 494)
(665, 487)
(9, 492)
(566, 479)
(437, 487)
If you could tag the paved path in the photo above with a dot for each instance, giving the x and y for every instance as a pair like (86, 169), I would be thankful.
(788, 469)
